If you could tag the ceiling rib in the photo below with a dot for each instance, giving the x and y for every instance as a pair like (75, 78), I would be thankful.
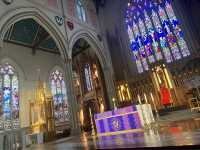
(42, 38)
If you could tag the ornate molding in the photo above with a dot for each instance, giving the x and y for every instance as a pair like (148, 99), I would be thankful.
(59, 20)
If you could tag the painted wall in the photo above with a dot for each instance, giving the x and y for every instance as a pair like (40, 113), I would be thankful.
(27, 66)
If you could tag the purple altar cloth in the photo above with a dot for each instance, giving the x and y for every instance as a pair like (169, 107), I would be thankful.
(118, 121)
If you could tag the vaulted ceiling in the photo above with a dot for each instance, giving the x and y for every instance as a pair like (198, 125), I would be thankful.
(30, 34)
(99, 3)
(80, 46)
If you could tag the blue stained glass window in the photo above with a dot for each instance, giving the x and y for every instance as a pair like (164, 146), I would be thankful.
(151, 38)
(160, 37)
(154, 32)
(177, 30)
(9, 98)
(135, 52)
(59, 93)
(168, 34)
(140, 47)
(81, 10)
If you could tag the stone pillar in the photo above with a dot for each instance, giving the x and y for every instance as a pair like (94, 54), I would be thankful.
(1, 140)
(73, 105)
(1, 46)
(110, 86)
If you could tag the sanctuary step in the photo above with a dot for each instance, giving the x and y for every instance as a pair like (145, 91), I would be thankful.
(168, 110)
(179, 115)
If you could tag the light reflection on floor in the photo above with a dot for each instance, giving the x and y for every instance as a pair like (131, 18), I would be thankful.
(168, 134)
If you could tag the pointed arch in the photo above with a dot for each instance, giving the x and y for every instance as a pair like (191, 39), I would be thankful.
(13, 16)
(105, 62)
(93, 42)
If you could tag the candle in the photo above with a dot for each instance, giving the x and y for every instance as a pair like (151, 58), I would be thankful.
(44, 87)
(90, 112)
(114, 103)
(154, 105)
(82, 116)
(153, 100)
(145, 97)
(152, 97)
(139, 99)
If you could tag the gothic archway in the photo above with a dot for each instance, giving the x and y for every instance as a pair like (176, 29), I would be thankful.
(104, 60)
(16, 15)
(89, 83)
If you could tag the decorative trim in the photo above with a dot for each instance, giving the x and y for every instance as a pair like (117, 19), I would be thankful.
(121, 132)
(70, 25)
(134, 112)
(59, 20)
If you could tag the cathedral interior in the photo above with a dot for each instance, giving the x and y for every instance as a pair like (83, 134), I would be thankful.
(93, 74)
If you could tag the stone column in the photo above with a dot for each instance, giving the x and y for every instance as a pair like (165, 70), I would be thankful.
(1, 47)
(73, 105)
(110, 87)
(1, 140)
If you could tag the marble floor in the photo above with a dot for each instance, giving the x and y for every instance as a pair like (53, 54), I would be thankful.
(165, 133)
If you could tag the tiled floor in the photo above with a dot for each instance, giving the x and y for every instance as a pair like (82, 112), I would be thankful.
(166, 133)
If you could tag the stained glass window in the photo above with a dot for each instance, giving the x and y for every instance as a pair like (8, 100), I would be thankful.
(168, 34)
(146, 42)
(88, 78)
(9, 98)
(58, 90)
(137, 46)
(177, 30)
(159, 36)
(150, 38)
(136, 56)
(80, 10)
(154, 32)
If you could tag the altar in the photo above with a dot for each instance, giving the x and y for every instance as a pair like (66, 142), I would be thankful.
(124, 120)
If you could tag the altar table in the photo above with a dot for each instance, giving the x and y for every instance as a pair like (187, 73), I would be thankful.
(123, 120)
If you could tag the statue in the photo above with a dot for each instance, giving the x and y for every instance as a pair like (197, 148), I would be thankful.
(165, 95)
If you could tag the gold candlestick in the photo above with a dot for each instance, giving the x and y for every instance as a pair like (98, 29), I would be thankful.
(93, 131)
(115, 107)
(145, 97)
(139, 99)
(153, 100)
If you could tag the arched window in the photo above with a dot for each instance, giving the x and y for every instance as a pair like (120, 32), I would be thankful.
(9, 98)
(88, 77)
(80, 10)
(154, 32)
(58, 90)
